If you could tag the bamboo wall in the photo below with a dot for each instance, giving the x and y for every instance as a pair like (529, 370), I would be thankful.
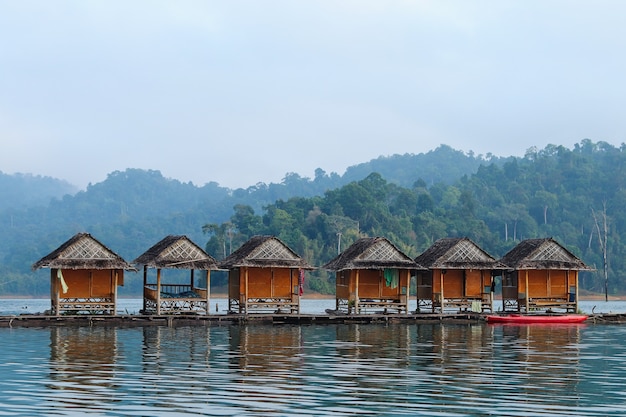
(84, 283)
(546, 283)
(370, 284)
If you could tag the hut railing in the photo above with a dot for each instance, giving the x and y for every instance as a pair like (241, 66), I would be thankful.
(94, 305)
(175, 298)
(479, 303)
(393, 303)
(272, 305)
(542, 303)
(174, 291)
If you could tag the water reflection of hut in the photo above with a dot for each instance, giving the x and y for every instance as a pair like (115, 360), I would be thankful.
(372, 273)
(264, 275)
(82, 356)
(84, 276)
(460, 276)
(188, 346)
(179, 253)
(376, 342)
(266, 350)
(474, 340)
(543, 275)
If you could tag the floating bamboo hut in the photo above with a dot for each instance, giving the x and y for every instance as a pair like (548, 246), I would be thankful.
(176, 253)
(371, 275)
(542, 275)
(84, 276)
(264, 275)
(460, 277)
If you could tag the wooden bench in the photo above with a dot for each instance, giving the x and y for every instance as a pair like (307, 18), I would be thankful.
(86, 306)
(272, 306)
(460, 304)
(552, 302)
(393, 304)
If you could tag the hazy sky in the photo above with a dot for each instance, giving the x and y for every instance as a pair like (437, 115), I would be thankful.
(239, 92)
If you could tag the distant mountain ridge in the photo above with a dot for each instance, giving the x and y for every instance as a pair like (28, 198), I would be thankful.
(26, 190)
(20, 191)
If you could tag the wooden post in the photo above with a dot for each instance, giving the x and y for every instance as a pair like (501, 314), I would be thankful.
(489, 281)
(337, 277)
(405, 297)
(504, 279)
(158, 303)
(295, 287)
(441, 274)
(431, 275)
(507, 278)
(356, 292)
(272, 283)
(114, 280)
(145, 283)
(293, 290)
(300, 289)
(54, 291)
(245, 291)
(576, 289)
(208, 290)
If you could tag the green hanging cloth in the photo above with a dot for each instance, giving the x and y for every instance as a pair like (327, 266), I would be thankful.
(391, 277)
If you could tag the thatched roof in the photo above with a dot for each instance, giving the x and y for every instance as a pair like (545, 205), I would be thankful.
(83, 251)
(544, 253)
(457, 253)
(371, 253)
(264, 252)
(176, 252)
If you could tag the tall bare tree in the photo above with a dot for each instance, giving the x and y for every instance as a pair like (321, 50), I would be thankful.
(602, 237)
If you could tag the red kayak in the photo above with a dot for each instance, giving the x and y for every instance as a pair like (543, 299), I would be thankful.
(529, 319)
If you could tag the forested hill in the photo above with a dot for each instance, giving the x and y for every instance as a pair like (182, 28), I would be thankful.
(496, 202)
(557, 192)
(443, 165)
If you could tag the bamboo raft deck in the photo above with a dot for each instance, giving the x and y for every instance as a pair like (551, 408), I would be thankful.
(33, 320)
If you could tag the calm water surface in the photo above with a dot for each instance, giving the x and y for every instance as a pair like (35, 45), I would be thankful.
(316, 370)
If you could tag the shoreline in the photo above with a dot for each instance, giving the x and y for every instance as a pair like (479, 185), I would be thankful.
(311, 296)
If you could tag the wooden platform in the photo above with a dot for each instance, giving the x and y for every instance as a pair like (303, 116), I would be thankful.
(28, 320)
